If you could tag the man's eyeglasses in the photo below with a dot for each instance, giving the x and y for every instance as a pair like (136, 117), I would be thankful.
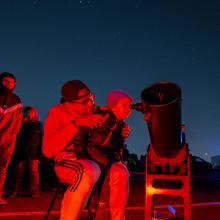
(89, 97)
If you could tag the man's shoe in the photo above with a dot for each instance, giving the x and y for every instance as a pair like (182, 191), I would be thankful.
(2, 202)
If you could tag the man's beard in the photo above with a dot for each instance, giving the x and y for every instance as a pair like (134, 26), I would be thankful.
(4, 90)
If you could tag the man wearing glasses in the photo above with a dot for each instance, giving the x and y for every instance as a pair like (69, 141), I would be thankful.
(61, 125)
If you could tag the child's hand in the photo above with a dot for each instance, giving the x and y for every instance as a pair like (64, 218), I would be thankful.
(126, 131)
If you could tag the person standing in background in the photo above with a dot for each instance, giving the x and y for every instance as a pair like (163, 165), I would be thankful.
(10, 122)
(28, 151)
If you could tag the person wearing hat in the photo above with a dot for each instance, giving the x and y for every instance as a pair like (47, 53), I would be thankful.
(105, 145)
(61, 125)
(10, 122)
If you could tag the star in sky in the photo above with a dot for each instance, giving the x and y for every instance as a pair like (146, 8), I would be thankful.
(85, 2)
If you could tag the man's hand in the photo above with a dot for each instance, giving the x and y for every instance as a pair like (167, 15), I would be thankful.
(126, 131)
(91, 121)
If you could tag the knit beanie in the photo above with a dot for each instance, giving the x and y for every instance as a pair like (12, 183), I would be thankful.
(115, 96)
(70, 90)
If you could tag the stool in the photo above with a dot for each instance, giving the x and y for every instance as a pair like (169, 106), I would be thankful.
(61, 188)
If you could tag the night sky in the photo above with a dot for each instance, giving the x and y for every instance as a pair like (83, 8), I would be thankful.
(119, 44)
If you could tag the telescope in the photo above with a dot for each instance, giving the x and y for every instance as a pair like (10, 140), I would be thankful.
(161, 106)
(163, 101)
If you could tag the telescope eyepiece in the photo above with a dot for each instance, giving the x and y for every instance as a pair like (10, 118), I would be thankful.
(137, 107)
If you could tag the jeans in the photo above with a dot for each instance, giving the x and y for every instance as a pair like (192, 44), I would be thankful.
(115, 191)
(6, 151)
(33, 173)
(119, 190)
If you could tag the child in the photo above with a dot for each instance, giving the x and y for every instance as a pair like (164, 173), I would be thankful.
(105, 144)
